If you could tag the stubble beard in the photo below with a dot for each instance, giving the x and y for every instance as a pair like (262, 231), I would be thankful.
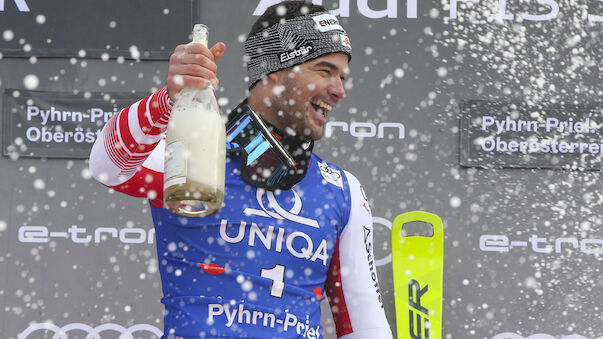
(292, 117)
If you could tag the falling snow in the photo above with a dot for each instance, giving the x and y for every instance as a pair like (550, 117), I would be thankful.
(540, 273)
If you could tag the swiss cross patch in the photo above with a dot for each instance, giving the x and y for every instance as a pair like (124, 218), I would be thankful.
(346, 41)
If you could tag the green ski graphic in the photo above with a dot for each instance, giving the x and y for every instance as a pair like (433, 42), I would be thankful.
(418, 277)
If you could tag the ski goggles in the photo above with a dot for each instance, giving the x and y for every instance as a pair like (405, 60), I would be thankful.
(265, 162)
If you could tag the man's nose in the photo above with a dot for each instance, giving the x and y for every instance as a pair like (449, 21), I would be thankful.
(336, 88)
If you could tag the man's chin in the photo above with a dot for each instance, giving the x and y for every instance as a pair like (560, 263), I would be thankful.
(316, 135)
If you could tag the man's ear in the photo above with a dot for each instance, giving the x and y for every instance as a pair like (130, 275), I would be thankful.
(276, 78)
(272, 78)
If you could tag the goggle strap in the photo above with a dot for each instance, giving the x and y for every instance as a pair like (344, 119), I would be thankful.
(277, 175)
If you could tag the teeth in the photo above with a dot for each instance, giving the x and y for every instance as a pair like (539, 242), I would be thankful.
(325, 107)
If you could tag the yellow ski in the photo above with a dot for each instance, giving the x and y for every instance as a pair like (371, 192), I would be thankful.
(418, 277)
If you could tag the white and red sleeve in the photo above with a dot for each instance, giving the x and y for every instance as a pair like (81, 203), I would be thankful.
(352, 283)
(121, 156)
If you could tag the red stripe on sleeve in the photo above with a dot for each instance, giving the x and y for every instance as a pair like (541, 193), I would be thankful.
(146, 183)
(334, 290)
(126, 161)
(112, 144)
(125, 135)
(144, 117)
(154, 112)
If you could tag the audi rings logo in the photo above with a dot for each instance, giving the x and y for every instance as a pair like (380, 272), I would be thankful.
(509, 335)
(388, 224)
(92, 332)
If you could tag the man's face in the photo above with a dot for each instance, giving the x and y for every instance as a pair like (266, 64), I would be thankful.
(304, 95)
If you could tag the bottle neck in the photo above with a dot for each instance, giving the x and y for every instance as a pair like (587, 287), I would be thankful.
(201, 34)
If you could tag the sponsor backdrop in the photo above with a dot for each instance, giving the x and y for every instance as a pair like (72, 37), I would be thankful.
(486, 113)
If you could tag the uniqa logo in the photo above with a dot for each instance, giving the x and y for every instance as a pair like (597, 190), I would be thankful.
(278, 212)
(509, 335)
(21, 5)
(93, 332)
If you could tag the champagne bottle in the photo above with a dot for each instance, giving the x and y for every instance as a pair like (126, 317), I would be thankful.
(195, 156)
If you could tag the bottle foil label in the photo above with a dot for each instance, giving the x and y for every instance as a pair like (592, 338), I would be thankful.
(175, 164)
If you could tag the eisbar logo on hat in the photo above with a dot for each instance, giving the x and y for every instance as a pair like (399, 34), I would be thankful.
(296, 53)
(327, 22)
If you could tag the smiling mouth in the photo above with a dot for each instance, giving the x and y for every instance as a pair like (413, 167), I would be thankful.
(321, 107)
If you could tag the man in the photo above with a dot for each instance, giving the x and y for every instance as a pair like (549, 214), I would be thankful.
(260, 267)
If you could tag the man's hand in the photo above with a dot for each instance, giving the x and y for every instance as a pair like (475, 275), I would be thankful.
(193, 65)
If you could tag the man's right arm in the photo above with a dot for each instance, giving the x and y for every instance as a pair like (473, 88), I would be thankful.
(122, 157)
(126, 141)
